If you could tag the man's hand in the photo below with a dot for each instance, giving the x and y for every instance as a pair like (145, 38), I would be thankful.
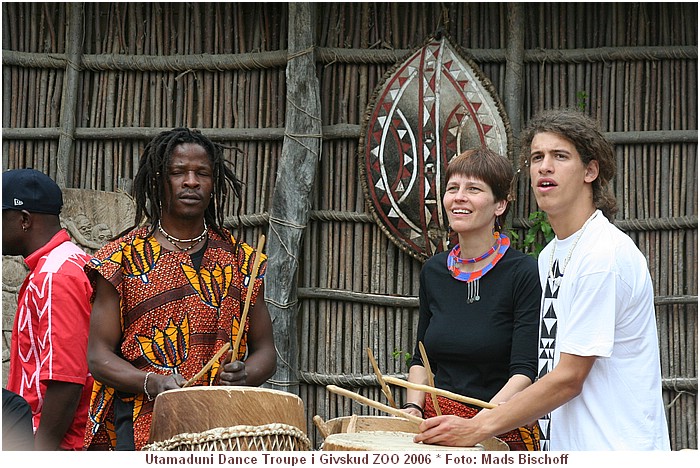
(232, 372)
(163, 383)
(451, 431)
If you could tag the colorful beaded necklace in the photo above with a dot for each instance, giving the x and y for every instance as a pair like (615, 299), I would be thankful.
(458, 252)
(472, 277)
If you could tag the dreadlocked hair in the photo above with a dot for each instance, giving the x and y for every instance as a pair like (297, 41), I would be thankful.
(149, 189)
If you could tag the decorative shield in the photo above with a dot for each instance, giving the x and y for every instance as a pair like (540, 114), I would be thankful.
(428, 109)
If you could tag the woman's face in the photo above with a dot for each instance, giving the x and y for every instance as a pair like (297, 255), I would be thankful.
(470, 204)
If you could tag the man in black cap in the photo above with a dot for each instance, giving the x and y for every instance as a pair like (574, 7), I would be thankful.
(48, 355)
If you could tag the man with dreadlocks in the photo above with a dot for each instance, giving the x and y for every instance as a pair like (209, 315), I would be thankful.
(169, 292)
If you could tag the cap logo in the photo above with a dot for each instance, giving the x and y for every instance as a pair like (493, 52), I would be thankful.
(18, 202)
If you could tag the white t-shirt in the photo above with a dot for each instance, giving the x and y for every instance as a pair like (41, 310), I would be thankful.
(603, 307)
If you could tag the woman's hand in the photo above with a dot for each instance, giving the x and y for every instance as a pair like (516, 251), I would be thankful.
(412, 412)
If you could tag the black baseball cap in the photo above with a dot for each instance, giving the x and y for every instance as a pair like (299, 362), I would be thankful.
(30, 190)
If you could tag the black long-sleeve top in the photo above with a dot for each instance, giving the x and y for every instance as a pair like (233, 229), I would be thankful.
(475, 348)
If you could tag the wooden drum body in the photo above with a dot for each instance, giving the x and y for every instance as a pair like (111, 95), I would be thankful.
(369, 424)
(377, 441)
(228, 418)
(383, 433)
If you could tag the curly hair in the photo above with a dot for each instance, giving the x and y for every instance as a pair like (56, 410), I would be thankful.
(492, 168)
(149, 183)
(584, 133)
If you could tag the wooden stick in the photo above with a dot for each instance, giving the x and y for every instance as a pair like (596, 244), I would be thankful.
(431, 380)
(380, 378)
(211, 362)
(352, 425)
(373, 404)
(321, 425)
(249, 295)
(438, 391)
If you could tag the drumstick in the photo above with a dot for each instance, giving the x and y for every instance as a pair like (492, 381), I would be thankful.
(374, 404)
(352, 425)
(211, 362)
(321, 425)
(385, 387)
(249, 295)
(431, 381)
(438, 391)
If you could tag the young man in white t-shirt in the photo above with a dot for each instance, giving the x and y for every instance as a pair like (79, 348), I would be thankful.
(599, 382)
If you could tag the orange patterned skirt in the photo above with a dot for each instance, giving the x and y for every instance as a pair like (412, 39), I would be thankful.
(523, 438)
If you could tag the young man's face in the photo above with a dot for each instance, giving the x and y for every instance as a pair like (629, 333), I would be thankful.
(557, 175)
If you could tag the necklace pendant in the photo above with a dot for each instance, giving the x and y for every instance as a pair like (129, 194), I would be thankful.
(554, 279)
(473, 291)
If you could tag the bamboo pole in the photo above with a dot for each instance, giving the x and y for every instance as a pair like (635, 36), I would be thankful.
(514, 68)
(289, 204)
(69, 99)
(326, 55)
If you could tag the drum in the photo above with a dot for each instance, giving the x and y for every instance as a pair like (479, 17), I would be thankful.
(378, 441)
(393, 430)
(228, 418)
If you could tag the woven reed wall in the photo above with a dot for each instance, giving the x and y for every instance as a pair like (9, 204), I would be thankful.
(82, 106)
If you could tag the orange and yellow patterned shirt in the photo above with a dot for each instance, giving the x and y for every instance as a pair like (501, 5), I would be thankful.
(174, 318)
